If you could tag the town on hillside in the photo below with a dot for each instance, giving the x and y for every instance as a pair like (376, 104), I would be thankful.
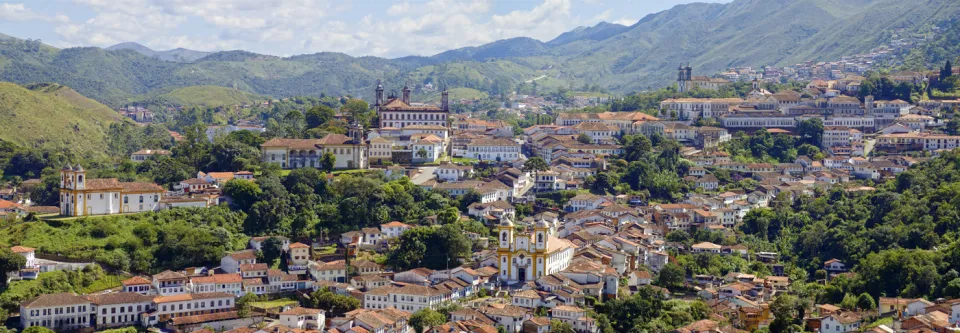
(819, 197)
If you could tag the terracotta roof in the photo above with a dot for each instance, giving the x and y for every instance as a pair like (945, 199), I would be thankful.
(22, 249)
(203, 318)
(244, 255)
(103, 184)
(396, 224)
(297, 311)
(169, 275)
(141, 187)
(299, 245)
(493, 142)
(4, 204)
(254, 267)
(43, 209)
(118, 298)
(50, 300)
(292, 143)
(135, 281)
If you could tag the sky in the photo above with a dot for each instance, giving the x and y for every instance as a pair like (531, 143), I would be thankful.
(381, 28)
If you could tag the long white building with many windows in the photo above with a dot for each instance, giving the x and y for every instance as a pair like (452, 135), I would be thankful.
(493, 150)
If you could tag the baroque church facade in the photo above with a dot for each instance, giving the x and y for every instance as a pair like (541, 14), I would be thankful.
(526, 255)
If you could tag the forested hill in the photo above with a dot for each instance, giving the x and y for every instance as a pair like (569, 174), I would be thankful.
(712, 37)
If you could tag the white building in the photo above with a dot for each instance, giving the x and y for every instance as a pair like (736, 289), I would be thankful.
(303, 318)
(167, 307)
(28, 253)
(144, 154)
(393, 229)
(398, 113)
(231, 262)
(350, 152)
(119, 309)
(63, 311)
(407, 298)
(834, 136)
(527, 257)
(80, 196)
(449, 172)
(493, 150)
(217, 283)
(840, 323)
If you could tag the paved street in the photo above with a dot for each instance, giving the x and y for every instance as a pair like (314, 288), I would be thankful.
(426, 173)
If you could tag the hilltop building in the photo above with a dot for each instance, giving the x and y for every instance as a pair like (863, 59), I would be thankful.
(81, 196)
(397, 113)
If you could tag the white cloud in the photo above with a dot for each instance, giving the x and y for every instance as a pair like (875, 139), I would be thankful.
(20, 12)
(626, 21)
(603, 16)
(307, 26)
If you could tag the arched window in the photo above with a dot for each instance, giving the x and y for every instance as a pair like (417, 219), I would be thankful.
(504, 237)
(539, 238)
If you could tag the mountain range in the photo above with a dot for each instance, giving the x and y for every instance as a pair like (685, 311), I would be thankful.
(623, 59)
(178, 54)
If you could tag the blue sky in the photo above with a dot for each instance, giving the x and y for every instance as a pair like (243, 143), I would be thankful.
(289, 27)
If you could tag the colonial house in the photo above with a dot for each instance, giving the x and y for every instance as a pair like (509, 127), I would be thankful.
(350, 152)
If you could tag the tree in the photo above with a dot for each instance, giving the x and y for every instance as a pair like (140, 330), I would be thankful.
(535, 165)
(243, 304)
(319, 115)
(270, 250)
(425, 318)
(557, 326)
(434, 248)
(811, 131)
(294, 121)
(333, 303)
(358, 110)
(9, 262)
(671, 275)
(865, 302)
(244, 193)
(849, 302)
(422, 153)
(328, 161)
(37, 329)
(584, 138)
(786, 311)
(635, 147)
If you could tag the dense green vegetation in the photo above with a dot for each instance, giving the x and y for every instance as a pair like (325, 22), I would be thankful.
(147, 242)
(901, 239)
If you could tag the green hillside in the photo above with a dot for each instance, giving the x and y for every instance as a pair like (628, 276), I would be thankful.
(202, 95)
(53, 116)
(711, 37)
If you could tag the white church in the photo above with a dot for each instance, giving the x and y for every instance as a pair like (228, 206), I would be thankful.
(80, 196)
(525, 256)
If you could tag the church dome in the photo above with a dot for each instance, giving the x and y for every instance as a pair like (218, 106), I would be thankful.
(506, 222)
(67, 167)
(78, 168)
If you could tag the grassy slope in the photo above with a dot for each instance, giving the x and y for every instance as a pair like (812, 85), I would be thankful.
(53, 116)
(209, 95)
